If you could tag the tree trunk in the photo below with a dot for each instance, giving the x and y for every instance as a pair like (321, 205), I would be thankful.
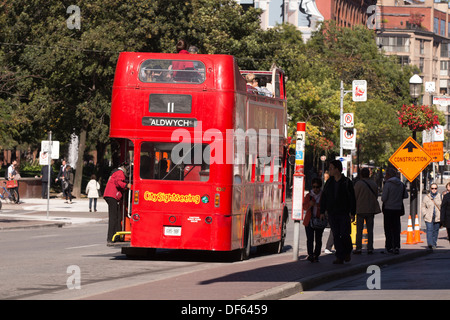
(79, 171)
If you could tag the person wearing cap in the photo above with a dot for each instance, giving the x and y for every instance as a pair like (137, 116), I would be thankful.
(115, 188)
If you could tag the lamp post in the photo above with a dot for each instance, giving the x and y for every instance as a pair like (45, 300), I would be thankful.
(415, 90)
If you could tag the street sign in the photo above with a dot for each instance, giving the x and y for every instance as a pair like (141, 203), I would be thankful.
(43, 158)
(435, 150)
(438, 133)
(410, 159)
(45, 147)
(344, 165)
(349, 120)
(349, 139)
(359, 92)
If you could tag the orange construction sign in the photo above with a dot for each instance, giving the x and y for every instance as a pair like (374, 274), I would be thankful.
(435, 150)
(410, 159)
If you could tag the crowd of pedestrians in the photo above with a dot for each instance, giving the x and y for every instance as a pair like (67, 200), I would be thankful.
(341, 202)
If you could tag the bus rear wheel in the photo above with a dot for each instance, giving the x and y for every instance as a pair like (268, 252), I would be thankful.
(244, 253)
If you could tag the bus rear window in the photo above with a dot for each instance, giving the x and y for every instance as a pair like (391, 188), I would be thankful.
(172, 71)
(174, 161)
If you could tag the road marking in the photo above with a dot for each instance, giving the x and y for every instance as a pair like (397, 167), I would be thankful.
(87, 246)
(45, 236)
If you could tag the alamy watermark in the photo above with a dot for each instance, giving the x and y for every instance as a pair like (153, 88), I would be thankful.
(74, 20)
(372, 18)
(74, 280)
(374, 280)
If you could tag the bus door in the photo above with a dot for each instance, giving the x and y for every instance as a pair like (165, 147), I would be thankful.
(126, 156)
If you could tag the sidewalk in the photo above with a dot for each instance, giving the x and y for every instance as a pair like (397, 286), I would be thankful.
(264, 277)
(32, 213)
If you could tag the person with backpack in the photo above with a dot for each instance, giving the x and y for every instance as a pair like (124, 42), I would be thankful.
(366, 193)
(338, 200)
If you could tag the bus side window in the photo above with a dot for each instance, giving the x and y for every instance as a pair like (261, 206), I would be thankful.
(147, 167)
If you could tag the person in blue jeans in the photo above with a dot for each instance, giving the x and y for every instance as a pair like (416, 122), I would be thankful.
(431, 212)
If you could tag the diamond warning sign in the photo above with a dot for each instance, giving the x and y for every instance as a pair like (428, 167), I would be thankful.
(410, 159)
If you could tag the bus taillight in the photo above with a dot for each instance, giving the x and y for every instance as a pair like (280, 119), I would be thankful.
(216, 200)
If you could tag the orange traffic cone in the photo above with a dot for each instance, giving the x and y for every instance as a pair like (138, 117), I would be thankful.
(417, 231)
(365, 237)
(409, 233)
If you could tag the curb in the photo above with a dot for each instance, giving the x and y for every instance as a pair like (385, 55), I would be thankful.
(33, 225)
(307, 283)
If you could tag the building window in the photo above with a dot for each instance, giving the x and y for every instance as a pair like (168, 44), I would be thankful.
(403, 60)
(422, 46)
(442, 28)
(421, 63)
(444, 68)
(394, 44)
(445, 50)
(436, 25)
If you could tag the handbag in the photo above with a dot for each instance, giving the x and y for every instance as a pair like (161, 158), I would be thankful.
(11, 184)
(65, 184)
(317, 223)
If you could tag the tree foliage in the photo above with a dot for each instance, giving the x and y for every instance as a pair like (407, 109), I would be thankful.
(60, 79)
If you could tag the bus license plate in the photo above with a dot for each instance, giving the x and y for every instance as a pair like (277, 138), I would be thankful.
(172, 231)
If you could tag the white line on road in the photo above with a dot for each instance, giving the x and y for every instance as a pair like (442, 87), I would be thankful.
(87, 246)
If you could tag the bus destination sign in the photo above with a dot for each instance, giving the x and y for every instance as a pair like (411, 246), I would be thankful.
(169, 122)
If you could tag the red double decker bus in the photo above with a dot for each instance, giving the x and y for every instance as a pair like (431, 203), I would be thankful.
(208, 154)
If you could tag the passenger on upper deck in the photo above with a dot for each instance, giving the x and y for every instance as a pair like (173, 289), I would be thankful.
(182, 46)
(250, 78)
(182, 65)
(264, 90)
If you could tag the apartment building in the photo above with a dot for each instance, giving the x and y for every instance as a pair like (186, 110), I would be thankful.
(418, 33)
(306, 14)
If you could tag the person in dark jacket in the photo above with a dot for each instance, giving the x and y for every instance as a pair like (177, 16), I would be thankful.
(115, 187)
(338, 200)
(394, 192)
(445, 213)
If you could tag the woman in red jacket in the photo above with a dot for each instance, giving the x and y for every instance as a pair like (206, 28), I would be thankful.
(116, 186)
(311, 203)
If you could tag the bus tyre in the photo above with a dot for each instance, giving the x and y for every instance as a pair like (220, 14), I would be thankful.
(248, 235)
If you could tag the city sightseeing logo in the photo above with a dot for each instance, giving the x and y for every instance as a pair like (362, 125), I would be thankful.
(172, 197)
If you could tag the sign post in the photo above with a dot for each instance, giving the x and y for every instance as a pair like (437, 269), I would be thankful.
(298, 186)
(410, 159)
(49, 151)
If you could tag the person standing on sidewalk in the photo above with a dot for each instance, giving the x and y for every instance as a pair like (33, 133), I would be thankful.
(394, 191)
(431, 212)
(92, 192)
(366, 207)
(115, 187)
(311, 203)
(338, 199)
